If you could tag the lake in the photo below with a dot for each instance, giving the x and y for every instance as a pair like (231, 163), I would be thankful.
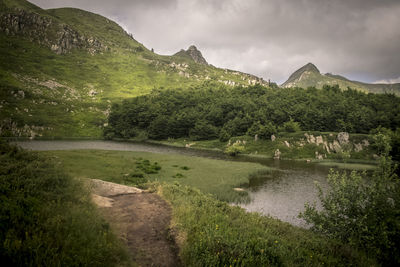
(280, 193)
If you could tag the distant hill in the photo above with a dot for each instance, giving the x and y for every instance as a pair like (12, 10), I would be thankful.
(62, 69)
(309, 75)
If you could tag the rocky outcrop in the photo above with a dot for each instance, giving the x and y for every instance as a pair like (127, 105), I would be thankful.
(194, 54)
(60, 38)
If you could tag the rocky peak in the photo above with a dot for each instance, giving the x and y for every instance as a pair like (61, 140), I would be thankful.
(194, 54)
(298, 74)
(309, 67)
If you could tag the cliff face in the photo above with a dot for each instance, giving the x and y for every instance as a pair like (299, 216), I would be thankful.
(47, 31)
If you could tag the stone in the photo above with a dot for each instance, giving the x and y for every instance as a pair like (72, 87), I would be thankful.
(343, 138)
(286, 143)
(326, 147)
(319, 140)
(273, 138)
(365, 143)
(277, 154)
(358, 147)
(336, 146)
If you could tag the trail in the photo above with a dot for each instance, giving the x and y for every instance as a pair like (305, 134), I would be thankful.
(142, 221)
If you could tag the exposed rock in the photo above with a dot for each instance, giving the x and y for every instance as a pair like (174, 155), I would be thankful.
(277, 154)
(326, 147)
(194, 54)
(319, 140)
(318, 156)
(358, 147)
(273, 138)
(286, 143)
(365, 143)
(60, 38)
(310, 138)
(343, 138)
(335, 146)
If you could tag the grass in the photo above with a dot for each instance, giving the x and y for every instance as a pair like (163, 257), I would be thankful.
(212, 233)
(211, 176)
(47, 218)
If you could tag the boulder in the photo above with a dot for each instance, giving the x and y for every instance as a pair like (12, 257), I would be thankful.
(286, 143)
(343, 138)
(277, 154)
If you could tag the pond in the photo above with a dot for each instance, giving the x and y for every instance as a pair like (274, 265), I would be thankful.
(280, 193)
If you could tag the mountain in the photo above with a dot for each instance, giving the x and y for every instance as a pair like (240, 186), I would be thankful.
(193, 54)
(62, 69)
(309, 75)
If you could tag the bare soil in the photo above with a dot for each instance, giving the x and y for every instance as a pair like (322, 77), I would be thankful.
(142, 221)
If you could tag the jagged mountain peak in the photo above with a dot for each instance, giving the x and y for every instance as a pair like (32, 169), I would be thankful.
(194, 54)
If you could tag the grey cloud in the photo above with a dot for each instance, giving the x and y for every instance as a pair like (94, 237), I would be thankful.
(270, 38)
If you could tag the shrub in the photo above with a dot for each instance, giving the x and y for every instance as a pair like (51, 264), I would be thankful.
(291, 126)
(234, 149)
(362, 212)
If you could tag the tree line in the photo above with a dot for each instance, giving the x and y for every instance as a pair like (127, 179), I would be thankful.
(213, 111)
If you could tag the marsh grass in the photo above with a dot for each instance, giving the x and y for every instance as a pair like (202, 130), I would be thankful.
(211, 176)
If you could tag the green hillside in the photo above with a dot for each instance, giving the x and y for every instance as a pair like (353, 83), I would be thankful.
(309, 76)
(62, 69)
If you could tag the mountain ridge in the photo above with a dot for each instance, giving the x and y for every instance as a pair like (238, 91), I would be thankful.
(310, 76)
(62, 69)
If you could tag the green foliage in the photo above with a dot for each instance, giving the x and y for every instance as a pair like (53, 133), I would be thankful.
(234, 149)
(218, 234)
(362, 211)
(47, 218)
(207, 112)
(291, 126)
(148, 168)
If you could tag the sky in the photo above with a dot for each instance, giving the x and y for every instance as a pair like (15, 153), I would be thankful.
(359, 39)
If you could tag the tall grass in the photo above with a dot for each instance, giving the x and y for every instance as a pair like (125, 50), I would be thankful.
(212, 233)
(47, 219)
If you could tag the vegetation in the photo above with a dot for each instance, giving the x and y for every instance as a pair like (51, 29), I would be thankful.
(211, 176)
(206, 112)
(362, 211)
(212, 233)
(47, 218)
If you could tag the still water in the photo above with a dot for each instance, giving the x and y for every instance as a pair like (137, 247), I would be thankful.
(281, 193)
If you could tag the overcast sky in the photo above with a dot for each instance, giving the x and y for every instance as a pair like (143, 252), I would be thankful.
(359, 39)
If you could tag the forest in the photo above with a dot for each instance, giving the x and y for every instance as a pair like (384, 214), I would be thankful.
(213, 111)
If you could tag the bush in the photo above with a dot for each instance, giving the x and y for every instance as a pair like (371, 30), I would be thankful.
(362, 212)
(234, 149)
(291, 126)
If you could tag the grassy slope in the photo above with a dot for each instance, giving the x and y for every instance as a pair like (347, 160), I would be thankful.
(127, 69)
(47, 218)
(216, 177)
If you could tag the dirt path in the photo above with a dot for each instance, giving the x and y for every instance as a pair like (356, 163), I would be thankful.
(142, 220)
